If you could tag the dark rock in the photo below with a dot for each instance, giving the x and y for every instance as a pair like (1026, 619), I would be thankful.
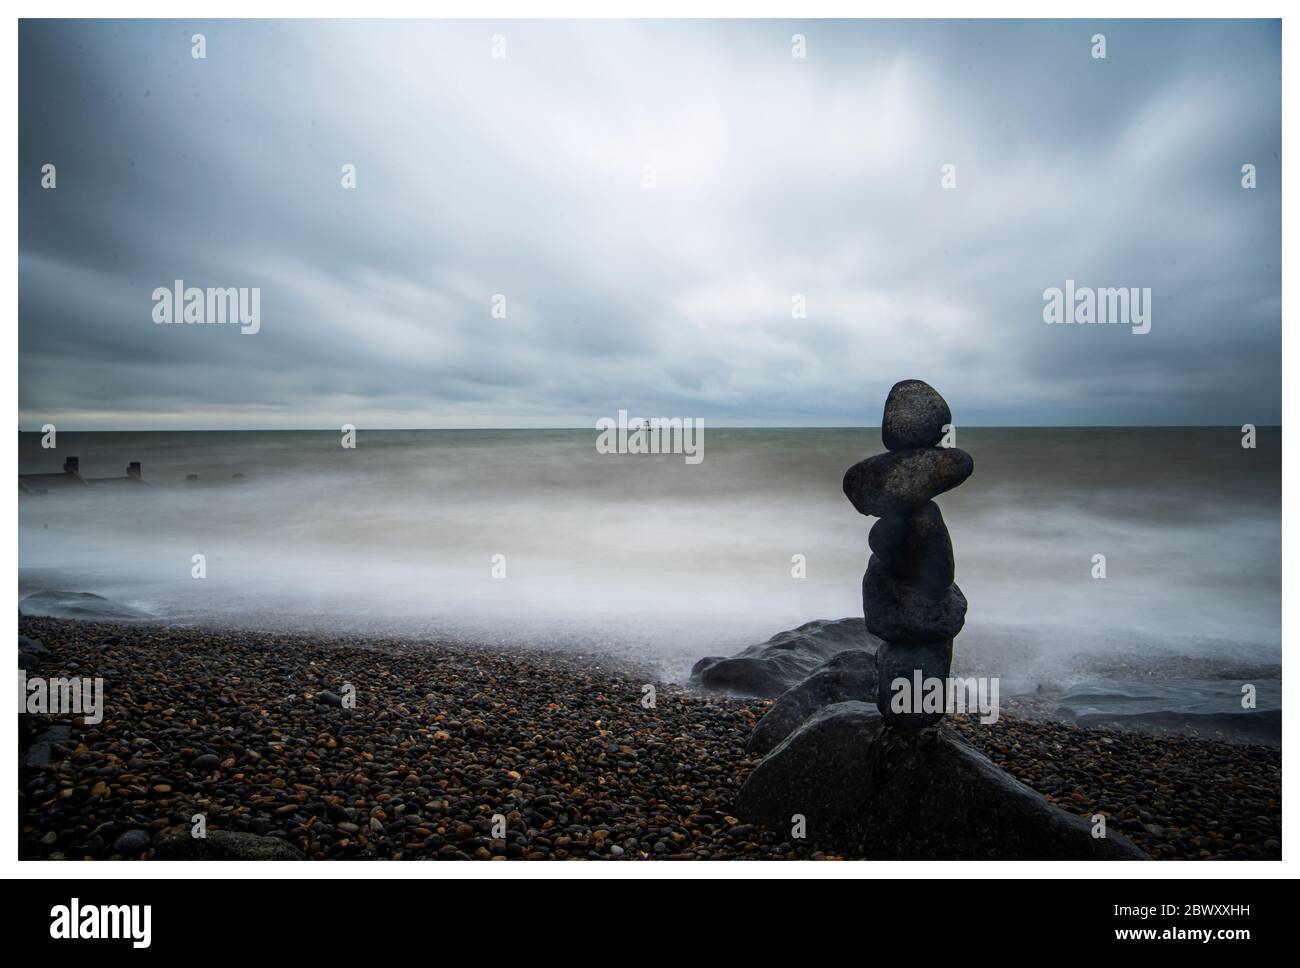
(31, 652)
(915, 547)
(849, 676)
(42, 742)
(207, 762)
(132, 843)
(331, 699)
(915, 415)
(906, 479)
(1204, 705)
(224, 845)
(903, 660)
(820, 771)
(894, 610)
(60, 604)
(891, 794)
(770, 668)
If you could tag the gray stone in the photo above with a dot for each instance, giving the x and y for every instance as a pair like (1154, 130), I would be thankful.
(769, 668)
(62, 604)
(904, 660)
(819, 771)
(894, 610)
(889, 794)
(1206, 706)
(44, 744)
(900, 481)
(224, 845)
(849, 676)
(132, 843)
(914, 416)
(914, 547)
(31, 652)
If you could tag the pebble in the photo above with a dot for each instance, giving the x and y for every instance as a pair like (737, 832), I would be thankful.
(132, 842)
(445, 736)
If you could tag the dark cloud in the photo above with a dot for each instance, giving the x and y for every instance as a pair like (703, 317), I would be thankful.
(524, 176)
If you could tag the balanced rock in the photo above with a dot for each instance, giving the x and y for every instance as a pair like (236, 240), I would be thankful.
(917, 663)
(849, 676)
(895, 610)
(915, 547)
(915, 416)
(898, 482)
(890, 794)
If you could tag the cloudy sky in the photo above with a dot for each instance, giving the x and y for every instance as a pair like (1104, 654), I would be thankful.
(649, 197)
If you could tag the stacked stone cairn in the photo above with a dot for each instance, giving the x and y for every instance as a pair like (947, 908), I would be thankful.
(909, 598)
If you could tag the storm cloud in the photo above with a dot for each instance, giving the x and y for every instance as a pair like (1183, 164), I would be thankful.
(650, 198)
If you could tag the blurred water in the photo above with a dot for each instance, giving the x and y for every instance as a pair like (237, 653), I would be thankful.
(649, 556)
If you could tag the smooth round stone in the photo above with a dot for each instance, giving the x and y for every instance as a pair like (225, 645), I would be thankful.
(915, 416)
(898, 482)
(915, 548)
(902, 705)
(132, 843)
(895, 611)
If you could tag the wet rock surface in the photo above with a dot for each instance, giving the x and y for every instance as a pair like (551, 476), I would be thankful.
(770, 668)
(849, 676)
(1205, 704)
(903, 795)
(87, 605)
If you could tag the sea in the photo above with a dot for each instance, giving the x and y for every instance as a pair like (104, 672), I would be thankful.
(1123, 553)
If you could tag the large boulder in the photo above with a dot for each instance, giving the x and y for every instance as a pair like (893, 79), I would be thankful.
(769, 668)
(888, 794)
(897, 482)
(86, 605)
(224, 845)
(915, 416)
(849, 676)
(820, 772)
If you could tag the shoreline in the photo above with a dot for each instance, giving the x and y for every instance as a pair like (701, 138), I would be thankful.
(246, 728)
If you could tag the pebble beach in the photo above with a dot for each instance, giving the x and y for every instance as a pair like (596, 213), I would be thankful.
(372, 748)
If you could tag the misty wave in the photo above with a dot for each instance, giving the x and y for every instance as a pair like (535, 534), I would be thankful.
(647, 556)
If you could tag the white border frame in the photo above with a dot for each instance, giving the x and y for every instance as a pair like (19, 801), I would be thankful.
(658, 10)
